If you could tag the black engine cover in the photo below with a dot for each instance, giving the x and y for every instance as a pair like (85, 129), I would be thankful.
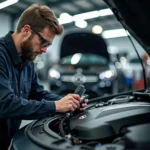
(109, 121)
(130, 121)
(137, 137)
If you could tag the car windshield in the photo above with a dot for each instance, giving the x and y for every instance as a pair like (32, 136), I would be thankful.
(82, 59)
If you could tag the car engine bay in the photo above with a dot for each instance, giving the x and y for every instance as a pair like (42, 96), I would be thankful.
(120, 123)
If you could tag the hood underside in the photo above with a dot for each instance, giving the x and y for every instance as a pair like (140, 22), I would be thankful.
(83, 42)
(135, 17)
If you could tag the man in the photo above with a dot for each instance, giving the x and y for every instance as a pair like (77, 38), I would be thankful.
(21, 96)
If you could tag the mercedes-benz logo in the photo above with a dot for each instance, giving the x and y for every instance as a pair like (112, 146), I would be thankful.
(82, 117)
(78, 79)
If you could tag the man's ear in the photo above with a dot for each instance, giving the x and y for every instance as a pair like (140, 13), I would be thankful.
(26, 30)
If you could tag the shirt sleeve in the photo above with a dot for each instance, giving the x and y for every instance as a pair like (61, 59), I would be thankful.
(37, 91)
(12, 106)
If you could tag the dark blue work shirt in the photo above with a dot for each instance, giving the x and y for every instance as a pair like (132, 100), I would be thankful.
(21, 96)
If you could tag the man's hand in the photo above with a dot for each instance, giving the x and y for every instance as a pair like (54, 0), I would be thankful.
(82, 108)
(68, 103)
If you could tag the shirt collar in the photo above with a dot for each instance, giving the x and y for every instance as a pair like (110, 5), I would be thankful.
(12, 49)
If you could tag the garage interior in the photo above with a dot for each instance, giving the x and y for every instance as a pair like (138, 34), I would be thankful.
(86, 17)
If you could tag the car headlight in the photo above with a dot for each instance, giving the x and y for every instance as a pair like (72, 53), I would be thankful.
(54, 74)
(107, 74)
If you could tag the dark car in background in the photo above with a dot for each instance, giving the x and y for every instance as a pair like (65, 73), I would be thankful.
(84, 59)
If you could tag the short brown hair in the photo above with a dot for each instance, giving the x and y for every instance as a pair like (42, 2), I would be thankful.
(39, 17)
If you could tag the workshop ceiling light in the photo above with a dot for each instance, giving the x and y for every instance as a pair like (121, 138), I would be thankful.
(105, 12)
(81, 23)
(97, 29)
(7, 3)
(114, 33)
(66, 18)
(87, 15)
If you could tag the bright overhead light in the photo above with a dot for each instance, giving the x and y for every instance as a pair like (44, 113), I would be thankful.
(66, 18)
(7, 3)
(81, 23)
(105, 12)
(114, 33)
(97, 29)
(87, 15)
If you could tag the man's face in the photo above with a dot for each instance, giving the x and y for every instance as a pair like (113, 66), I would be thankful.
(35, 45)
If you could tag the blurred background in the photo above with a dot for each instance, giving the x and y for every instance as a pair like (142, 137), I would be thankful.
(94, 49)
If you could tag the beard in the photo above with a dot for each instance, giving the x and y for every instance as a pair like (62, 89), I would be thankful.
(27, 50)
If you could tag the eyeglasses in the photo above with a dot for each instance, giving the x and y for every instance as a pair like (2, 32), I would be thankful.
(44, 42)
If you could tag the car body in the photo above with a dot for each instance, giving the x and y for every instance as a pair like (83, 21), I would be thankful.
(84, 59)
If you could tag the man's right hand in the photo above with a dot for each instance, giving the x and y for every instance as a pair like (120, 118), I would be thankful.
(68, 103)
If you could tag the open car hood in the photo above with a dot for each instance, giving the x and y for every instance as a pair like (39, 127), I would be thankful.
(83, 42)
(135, 17)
